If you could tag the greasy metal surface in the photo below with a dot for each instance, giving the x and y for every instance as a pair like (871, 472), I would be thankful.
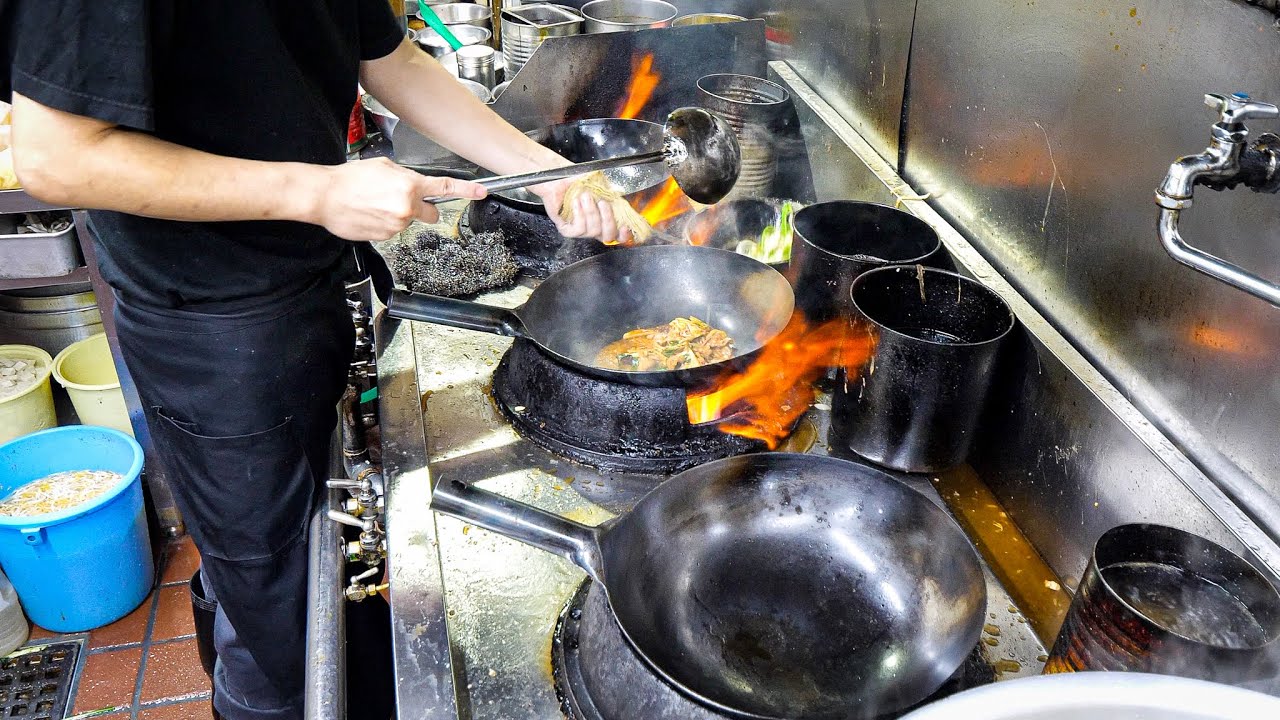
(837, 173)
(592, 72)
(1067, 453)
(1042, 128)
(424, 682)
(854, 55)
(503, 597)
(325, 687)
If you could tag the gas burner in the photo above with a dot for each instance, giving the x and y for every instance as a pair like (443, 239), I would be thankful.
(612, 426)
(539, 248)
(599, 677)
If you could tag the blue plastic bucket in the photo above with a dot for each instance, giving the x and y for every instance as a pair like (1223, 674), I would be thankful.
(88, 566)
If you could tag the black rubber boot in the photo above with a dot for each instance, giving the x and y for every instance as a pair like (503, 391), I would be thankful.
(203, 610)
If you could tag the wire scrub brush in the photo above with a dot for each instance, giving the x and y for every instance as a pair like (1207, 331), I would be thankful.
(453, 267)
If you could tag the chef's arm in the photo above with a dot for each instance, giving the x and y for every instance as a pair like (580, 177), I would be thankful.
(76, 161)
(420, 92)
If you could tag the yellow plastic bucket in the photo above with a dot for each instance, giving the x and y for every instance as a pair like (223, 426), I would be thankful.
(32, 409)
(88, 372)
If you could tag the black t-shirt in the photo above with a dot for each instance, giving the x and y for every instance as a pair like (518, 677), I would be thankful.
(256, 79)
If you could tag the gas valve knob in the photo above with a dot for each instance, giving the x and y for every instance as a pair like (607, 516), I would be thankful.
(360, 593)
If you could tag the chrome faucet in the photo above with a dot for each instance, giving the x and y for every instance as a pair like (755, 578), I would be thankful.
(1228, 161)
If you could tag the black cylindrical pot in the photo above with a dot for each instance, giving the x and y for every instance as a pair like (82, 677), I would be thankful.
(835, 242)
(1156, 599)
(915, 405)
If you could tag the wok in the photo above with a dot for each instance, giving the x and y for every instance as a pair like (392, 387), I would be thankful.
(587, 140)
(774, 585)
(574, 313)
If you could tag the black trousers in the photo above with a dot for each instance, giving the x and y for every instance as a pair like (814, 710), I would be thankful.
(241, 408)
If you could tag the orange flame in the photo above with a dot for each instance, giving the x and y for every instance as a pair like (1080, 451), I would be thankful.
(765, 400)
(668, 202)
(643, 82)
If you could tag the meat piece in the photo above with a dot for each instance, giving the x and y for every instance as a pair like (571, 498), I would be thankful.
(681, 344)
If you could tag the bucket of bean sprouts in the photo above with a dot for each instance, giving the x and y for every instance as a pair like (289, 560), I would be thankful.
(73, 531)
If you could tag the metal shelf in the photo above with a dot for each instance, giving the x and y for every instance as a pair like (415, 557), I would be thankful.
(18, 201)
(79, 275)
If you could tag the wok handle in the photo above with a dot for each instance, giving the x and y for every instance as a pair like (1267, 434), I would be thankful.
(455, 313)
(530, 525)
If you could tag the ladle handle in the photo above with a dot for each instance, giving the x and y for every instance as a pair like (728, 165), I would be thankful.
(500, 183)
(518, 521)
(455, 313)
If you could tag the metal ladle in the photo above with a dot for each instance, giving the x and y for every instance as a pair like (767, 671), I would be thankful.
(698, 146)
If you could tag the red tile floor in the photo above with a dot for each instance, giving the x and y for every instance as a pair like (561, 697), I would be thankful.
(145, 666)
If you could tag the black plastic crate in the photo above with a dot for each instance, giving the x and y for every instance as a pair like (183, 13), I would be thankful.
(35, 682)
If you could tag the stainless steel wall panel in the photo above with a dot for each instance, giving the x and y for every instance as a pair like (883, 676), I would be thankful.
(1042, 130)
(1065, 451)
(854, 55)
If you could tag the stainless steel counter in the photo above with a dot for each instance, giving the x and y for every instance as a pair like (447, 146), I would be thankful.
(473, 613)
(495, 599)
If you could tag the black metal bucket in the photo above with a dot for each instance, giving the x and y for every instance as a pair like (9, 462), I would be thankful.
(835, 242)
(915, 406)
(1156, 599)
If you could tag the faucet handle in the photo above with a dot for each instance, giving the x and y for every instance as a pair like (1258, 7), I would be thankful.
(1235, 108)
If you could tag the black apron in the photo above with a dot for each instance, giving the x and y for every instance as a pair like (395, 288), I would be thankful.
(241, 408)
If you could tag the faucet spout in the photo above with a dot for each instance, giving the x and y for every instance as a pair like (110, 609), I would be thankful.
(1212, 265)
(1220, 167)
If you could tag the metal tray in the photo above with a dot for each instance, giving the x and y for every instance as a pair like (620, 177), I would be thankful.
(37, 255)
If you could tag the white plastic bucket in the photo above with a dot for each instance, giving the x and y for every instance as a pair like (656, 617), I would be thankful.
(88, 372)
(32, 410)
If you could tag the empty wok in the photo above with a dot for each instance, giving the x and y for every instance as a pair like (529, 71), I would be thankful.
(574, 313)
(774, 585)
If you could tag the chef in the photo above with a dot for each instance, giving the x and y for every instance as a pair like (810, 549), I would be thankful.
(209, 140)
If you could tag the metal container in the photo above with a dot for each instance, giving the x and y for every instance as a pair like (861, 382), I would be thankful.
(476, 63)
(915, 404)
(526, 27)
(383, 118)
(835, 242)
(1162, 600)
(498, 90)
(605, 16)
(65, 297)
(435, 44)
(481, 92)
(754, 108)
(705, 19)
(36, 255)
(464, 13)
(50, 331)
(450, 62)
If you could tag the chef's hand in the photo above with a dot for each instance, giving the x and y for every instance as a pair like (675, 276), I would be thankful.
(375, 199)
(590, 218)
